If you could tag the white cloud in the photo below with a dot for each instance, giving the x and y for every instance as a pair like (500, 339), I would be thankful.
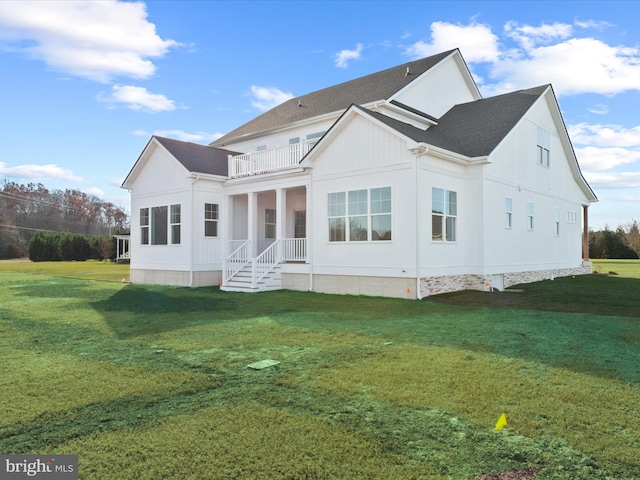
(39, 172)
(476, 42)
(600, 109)
(613, 180)
(138, 98)
(197, 137)
(594, 159)
(95, 39)
(343, 57)
(95, 191)
(265, 98)
(604, 135)
(528, 36)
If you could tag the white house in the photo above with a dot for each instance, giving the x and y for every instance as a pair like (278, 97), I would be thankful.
(404, 183)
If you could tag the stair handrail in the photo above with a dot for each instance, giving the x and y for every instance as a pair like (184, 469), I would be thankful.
(235, 261)
(265, 263)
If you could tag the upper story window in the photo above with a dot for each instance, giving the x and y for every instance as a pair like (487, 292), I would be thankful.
(444, 214)
(572, 217)
(313, 138)
(544, 146)
(360, 215)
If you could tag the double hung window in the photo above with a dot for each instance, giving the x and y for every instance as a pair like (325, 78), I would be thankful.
(360, 215)
(444, 214)
(210, 219)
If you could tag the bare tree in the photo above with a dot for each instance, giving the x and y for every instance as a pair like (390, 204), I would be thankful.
(630, 234)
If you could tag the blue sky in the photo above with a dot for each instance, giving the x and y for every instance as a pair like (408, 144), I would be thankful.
(84, 84)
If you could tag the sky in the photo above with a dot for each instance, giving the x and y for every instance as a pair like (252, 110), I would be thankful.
(84, 84)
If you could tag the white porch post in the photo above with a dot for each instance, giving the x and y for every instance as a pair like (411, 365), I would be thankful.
(252, 228)
(281, 216)
(225, 215)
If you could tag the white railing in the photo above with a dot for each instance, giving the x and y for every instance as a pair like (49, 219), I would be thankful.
(273, 160)
(264, 263)
(294, 249)
(235, 262)
(285, 249)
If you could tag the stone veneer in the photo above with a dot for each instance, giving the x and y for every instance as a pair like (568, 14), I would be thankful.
(453, 283)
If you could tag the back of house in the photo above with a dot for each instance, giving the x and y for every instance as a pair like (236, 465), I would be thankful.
(404, 183)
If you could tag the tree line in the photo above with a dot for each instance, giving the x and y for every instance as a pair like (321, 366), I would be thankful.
(622, 243)
(31, 208)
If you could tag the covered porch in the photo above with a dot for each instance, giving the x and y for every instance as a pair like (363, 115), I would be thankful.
(266, 230)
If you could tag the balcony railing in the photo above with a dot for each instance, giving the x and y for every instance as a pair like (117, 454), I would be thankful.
(265, 161)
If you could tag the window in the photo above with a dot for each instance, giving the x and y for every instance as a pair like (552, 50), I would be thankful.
(159, 225)
(261, 148)
(360, 215)
(529, 215)
(144, 226)
(572, 217)
(174, 222)
(210, 219)
(444, 211)
(313, 138)
(270, 224)
(556, 217)
(508, 212)
(294, 140)
(300, 224)
(544, 145)
(337, 219)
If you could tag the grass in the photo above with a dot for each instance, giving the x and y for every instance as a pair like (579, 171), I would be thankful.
(146, 382)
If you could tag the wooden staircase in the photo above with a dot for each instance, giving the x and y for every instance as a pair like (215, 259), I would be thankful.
(242, 281)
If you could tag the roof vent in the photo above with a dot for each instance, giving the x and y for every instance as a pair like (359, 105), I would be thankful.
(407, 73)
(299, 104)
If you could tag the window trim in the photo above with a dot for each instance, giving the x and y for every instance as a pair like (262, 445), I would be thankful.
(211, 221)
(530, 216)
(145, 238)
(543, 148)
(346, 213)
(448, 217)
(508, 210)
(556, 221)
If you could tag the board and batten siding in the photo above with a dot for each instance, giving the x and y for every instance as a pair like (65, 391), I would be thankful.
(515, 173)
(438, 90)
(365, 155)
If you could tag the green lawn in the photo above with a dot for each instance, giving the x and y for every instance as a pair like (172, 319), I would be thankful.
(152, 382)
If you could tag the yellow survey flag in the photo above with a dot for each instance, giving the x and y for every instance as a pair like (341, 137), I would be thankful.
(502, 422)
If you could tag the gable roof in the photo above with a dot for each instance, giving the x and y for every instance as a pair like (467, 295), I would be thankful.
(198, 158)
(476, 128)
(374, 87)
(471, 129)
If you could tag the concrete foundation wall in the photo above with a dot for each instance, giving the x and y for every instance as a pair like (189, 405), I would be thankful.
(353, 285)
(175, 277)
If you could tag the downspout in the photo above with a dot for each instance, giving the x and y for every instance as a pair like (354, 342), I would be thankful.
(418, 151)
(192, 232)
(308, 219)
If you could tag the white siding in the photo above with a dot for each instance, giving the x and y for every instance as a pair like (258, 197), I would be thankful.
(438, 91)
(365, 156)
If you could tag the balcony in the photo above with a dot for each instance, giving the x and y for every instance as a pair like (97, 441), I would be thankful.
(266, 161)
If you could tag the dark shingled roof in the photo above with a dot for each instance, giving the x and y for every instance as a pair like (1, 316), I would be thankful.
(198, 158)
(363, 90)
(476, 128)
(472, 129)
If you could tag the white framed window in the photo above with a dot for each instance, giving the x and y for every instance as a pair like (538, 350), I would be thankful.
(144, 226)
(530, 216)
(210, 219)
(572, 217)
(261, 148)
(294, 140)
(313, 138)
(508, 212)
(360, 215)
(337, 217)
(270, 224)
(556, 220)
(174, 223)
(544, 147)
(159, 225)
(444, 214)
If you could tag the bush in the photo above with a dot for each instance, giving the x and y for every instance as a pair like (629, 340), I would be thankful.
(51, 247)
(43, 247)
(13, 251)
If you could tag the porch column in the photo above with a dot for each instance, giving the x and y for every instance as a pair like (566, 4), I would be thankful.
(281, 213)
(224, 232)
(252, 227)
(585, 233)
